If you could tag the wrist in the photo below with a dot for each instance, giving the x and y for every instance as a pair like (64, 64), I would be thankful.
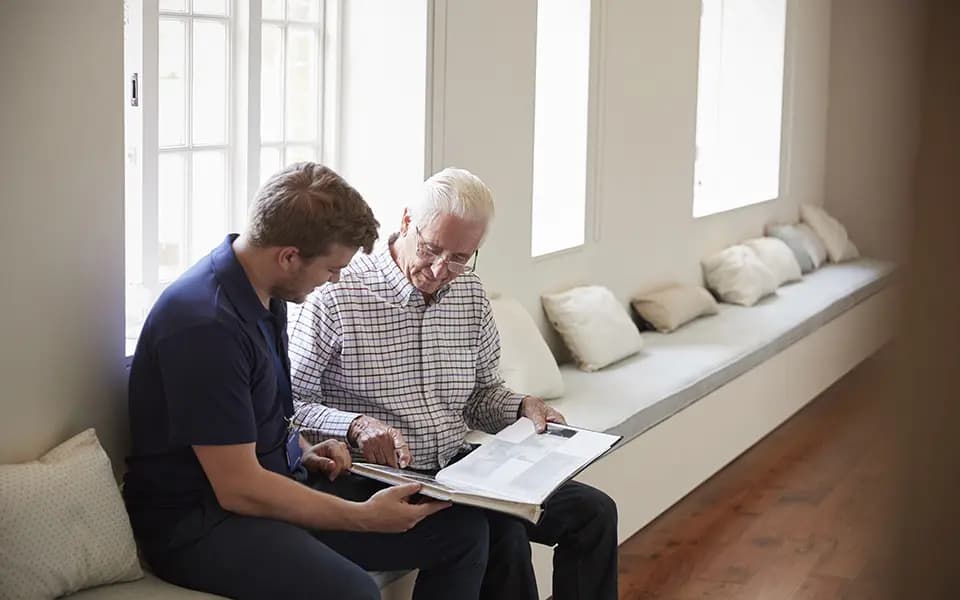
(353, 430)
(357, 516)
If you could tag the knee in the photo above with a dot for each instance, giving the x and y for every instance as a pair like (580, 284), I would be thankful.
(602, 508)
(509, 536)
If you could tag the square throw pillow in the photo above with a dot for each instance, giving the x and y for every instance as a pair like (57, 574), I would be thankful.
(813, 244)
(737, 276)
(789, 235)
(834, 235)
(594, 326)
(526, 363)
(63, 525)
(670, 307)
(778, 257)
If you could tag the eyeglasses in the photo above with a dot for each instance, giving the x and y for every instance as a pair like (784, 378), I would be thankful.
(431, 254)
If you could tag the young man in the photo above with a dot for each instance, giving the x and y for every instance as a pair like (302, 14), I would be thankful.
(402, 356)
(216, 482)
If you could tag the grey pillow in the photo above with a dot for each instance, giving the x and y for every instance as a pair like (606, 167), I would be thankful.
(794, 240)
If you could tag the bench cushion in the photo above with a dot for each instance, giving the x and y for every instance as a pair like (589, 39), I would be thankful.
(153, 588)
(675, 370)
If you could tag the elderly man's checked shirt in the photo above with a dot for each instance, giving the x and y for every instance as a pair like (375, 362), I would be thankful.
(371, 345)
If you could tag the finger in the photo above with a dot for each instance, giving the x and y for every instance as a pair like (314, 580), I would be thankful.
(404, 491)
(373, 451)
(539, 422)
(346, 461)
(555, 417)
(388, 451)
(428, 508)
(404, 458)
(320, 463)
(336, 469)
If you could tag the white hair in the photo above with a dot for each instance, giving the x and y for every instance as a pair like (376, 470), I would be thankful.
(456, 192)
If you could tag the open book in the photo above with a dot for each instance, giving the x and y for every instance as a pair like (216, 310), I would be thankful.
(512, 472)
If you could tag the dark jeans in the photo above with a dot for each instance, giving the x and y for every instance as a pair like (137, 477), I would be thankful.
(247, 557)
(581, 522)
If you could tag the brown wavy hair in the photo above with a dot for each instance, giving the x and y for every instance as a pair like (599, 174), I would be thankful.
(309, 206)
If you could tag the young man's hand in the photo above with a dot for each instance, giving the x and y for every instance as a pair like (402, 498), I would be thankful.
(379, 443)
(390, 509)
(330, 457)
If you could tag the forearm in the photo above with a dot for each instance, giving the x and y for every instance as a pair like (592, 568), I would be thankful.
(319, 422)
(492, 408)
(269, 495)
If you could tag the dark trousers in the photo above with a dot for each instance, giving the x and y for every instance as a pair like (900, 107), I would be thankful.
(247, 557)
(581, 522)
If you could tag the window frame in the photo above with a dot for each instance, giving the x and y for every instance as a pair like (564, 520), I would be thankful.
(242, 145)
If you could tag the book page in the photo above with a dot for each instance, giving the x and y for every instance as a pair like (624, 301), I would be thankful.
(521, 465)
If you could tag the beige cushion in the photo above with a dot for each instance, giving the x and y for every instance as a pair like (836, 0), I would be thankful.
(737, 276)
(595, 327)
(778, 257)
(834, 235)
(63, 526)
(813, 244)
(526, 363)
(669, 308)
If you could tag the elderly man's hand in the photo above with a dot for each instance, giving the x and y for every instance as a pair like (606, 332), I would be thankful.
(331, 457)
(379, 443)
(540, 413)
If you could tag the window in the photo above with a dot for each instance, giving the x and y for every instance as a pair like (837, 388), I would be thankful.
(560, 125)
(223, 93)
(739, 104)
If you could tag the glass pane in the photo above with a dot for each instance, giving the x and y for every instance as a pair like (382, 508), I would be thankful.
(210, 7)
(272, 9)
(173, 5)
(269, 162)
(209, 82)
(300, 154)
(302, 84)
(560, 125)
(172, 71)
(271, 84)
(171, 197)
(303, 10)
(208, 203)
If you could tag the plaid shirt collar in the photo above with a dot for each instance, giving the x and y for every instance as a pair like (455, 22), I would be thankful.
(403, 290)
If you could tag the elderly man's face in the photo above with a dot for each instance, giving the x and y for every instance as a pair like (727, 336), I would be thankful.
(430, 249)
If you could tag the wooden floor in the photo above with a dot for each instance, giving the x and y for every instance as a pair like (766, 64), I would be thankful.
(802, 515)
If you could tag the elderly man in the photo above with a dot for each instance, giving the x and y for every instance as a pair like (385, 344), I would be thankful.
(401, 357)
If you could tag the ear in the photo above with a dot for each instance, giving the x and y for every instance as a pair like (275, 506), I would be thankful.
(405, 221)
(288, 258)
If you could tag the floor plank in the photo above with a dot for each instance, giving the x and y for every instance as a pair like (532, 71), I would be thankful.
(800, 516)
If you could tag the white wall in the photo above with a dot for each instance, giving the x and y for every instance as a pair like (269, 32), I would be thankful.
(61, 223)
(384, 103)
(647, 101)
(875, 88)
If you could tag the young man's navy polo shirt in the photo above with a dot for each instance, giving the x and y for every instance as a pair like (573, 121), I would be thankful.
(203, 374)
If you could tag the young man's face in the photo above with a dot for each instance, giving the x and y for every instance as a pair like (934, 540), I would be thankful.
(432, 248)
(311, 273)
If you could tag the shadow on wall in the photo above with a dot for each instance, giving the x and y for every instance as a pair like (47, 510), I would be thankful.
(926, 401)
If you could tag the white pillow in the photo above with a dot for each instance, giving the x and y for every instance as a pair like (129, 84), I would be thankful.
(813, 244)
(834, 235)
(670, 307)
(595, 327)
(778, 257)
(63, 526)
(526, 362)
(737, 276)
